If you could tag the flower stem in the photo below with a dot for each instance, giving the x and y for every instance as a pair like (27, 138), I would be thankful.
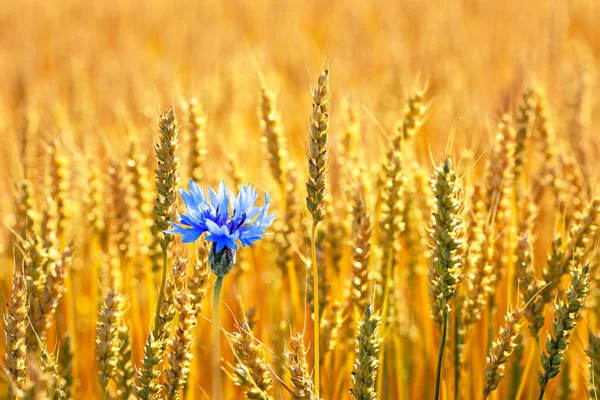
(441, 358)
(317, 325)
(216, 350)
(161, 294)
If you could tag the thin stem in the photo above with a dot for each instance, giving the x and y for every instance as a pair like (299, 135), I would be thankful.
(457, 364)
(316, 319)
(161, 294)
(490, 322)
(441, 358)
(292, 280)
(531, 363)
(542, 389)
(385, 306)
(216, 350)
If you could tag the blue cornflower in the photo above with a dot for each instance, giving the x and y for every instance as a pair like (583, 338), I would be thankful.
(245, 223)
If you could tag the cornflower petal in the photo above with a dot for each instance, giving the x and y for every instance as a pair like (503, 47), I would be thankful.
(196, 194)
(247, 223)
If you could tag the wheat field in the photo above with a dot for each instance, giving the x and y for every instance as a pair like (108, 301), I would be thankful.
(430, 171)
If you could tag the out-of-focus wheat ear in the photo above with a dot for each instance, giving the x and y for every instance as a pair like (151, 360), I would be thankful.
(548, 175)
(566, 385)
(137, 201)
(49, 223)
(36, 262)
(124, 372)
(173, 287)
(593, 353)
(137, 179)
(524, 119)
(528, 213)
(287, 232)
(273, 139)
(583, 106)
(477, 285)
(65, 362)
(120, 218)
(155, 251)
(250, 371)
(565, 320)
(167, 175)
(149, 386)
(25, 215)
(392, 206)
(317, 155)
(582, 233)
(197, 139)
(478, 280)
(95, 201)
(351, 135)
(107, 341)
(407, 127)
(44, 303)
(501, 350)
(331, 325)
(366, 362)
(573, 193)
(303, 388)
(335, 240)
(59, 185)
(234, 171)
(562, 257)
(414, 113)
(179, 349)
(498, 199)
(28, 140)
(38, 388)
(516, 368)
(529, 286)
(198, 280)
(391, 226)
(415, 225)
(56, 383)
(362, 232)
(15, 332)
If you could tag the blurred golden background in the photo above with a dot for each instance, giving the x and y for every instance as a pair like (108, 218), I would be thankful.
(83, 83)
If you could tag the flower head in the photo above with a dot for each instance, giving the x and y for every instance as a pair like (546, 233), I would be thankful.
(226, 217)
